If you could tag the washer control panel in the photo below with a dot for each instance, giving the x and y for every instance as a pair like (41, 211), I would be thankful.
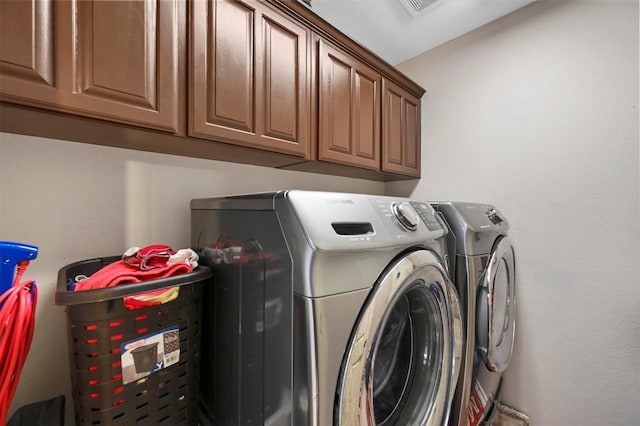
(406, 215)
(340, 221)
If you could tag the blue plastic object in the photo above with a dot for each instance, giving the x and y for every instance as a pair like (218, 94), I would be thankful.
(10, 255)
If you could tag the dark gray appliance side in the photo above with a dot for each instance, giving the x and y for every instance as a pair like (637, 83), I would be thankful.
(247, 330)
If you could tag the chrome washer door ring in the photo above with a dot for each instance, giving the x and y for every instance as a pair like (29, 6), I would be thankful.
(497, 307)
(415, 301)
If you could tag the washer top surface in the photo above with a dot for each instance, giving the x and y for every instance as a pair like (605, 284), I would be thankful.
(334, 221)
(342, 241)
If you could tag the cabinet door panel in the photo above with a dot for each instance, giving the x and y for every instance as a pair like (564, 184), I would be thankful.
(393, 130)
(335, 111)
(366, 116)
(114, 63)
(231, 92)
(121, 59)
(349, 112)
(282, 82)
(27, 51)
(412, 134)
(400, 130)
(249, 77)
(283, 85)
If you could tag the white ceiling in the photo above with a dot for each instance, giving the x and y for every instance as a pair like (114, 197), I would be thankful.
(388, 29)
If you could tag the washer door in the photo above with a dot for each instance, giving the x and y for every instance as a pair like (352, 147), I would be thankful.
(403, 358)
(496, 320)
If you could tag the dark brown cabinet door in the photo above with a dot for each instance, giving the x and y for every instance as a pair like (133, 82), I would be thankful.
(27, 66)
(249, 77)
(123, 59)
(349, 109)
(400, 130)
(115, 60)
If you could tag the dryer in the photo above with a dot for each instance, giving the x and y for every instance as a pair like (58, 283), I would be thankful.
(326, 308)
(485, 277)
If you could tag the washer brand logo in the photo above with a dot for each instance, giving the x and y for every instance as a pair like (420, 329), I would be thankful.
(339, 201)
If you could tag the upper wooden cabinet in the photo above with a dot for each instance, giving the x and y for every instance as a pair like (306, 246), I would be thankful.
(261, 82)
(115, 60)
(400, 130)
(249, 76)
(349, 109)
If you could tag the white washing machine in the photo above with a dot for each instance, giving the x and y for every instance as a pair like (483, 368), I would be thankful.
(326, 308)
(485, 278)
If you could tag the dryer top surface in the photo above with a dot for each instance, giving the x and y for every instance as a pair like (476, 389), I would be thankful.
(474, 225)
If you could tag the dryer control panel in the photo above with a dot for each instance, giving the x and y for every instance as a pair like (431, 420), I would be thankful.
(475, 225)
(494, 216)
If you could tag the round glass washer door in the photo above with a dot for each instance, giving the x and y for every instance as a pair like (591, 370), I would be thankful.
(496, 320)
(403, 358)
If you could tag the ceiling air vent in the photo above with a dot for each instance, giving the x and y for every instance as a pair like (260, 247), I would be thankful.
(415, 7)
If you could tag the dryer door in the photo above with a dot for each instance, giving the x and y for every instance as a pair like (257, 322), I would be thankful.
(496, 320)
(403, 358)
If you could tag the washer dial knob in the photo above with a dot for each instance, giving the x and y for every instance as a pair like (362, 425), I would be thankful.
(406, 215)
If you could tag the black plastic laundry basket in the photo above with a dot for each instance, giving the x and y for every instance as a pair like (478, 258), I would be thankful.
(101, 329)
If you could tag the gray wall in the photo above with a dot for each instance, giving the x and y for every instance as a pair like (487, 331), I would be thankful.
(538, 114)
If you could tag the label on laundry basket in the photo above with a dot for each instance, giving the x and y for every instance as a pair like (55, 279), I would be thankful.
(149, 354)
(477, 403)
